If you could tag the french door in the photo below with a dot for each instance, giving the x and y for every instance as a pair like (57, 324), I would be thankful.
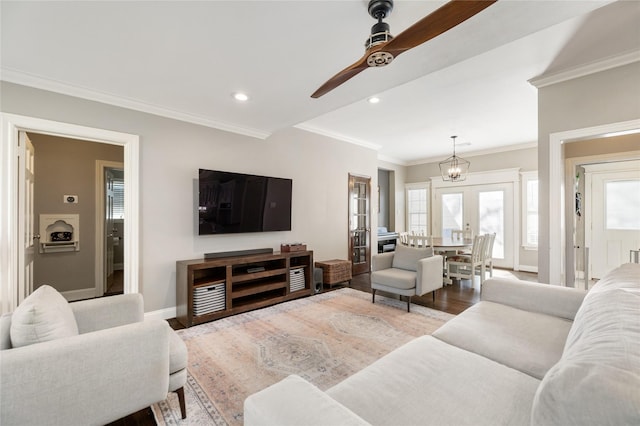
(359, 224)
(484, 209)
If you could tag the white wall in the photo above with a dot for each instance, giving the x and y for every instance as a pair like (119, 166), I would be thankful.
(606, 97)
(171, 153)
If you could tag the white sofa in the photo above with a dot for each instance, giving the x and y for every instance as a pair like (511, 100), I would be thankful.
(526, 354)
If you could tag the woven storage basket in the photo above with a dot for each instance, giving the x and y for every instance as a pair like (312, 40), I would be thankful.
(335, 271)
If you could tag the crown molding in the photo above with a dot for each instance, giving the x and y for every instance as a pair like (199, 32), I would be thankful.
(605, 64)
(24, 79)
(471, 154)
(393, 160)
(337, 136)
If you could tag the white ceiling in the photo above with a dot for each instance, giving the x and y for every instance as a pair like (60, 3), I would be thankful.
(185, 59)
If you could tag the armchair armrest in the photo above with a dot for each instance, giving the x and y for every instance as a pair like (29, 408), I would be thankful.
(92, 378)
(294, 401)
(381, 261)
(429, 274)
(562, 302)
(107, 312)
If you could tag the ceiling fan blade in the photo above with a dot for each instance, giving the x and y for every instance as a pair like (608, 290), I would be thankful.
(441, 20)
(341, 77)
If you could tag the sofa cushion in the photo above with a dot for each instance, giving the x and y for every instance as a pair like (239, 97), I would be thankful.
(527, 341)
(44, 315)
(407, 257)
(396, 278)
(430, 381)
(597, 379)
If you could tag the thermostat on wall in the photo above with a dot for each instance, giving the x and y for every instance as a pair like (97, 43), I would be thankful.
(73, 199)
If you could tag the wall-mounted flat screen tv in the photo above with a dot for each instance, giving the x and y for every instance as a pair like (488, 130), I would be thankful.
(235, 202)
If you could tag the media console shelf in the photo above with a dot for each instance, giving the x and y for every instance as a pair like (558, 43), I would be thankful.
(208, 289)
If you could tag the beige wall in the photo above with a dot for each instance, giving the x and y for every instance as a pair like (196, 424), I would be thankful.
(397, 179)
(68, 166)
(606, 97)
(171, 153)
(602, 146)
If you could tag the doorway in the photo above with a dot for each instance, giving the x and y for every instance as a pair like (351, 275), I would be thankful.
(12, 202)
(359, 224)
(110, 221)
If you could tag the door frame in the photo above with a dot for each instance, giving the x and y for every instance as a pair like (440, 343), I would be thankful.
(10, 240)
(101, 166)
(558, 253)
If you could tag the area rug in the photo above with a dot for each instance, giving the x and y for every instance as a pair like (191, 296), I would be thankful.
(324, 338)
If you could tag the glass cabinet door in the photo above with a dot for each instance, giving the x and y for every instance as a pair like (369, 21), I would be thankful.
(359, 224)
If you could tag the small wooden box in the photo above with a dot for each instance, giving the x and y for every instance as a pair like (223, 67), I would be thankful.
(335, 271)
(287, 248)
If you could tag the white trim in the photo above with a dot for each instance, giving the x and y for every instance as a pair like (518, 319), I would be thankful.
(81, 294)
(525, 177)
(162, 314)
(557, 246)
(17, 77)
(337, 136)
(480, 178)
(470, 154)
(99, 237)
(586, 69)
(528, 268)
(11, 124)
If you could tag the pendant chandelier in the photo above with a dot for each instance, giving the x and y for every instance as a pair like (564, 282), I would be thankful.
(454, 168)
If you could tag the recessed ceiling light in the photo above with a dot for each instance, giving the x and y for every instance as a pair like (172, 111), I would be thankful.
(239, 96)
(374, 100)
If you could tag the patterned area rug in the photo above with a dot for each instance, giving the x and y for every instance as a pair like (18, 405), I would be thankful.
(324, 338)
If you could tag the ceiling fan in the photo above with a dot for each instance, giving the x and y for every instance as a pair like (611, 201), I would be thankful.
(382, 47)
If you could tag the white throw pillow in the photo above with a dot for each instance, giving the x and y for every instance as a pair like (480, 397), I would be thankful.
(44, 315)
(407, 257)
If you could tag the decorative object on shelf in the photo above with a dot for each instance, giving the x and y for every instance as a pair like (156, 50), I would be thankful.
(59, 233)
(287, 248)
(454, 168)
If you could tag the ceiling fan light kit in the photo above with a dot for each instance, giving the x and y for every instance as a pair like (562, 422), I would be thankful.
(454, 168)
(382, 48)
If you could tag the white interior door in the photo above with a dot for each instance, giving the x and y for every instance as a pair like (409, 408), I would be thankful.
(26, 231)
(483, 209)
(612, 216)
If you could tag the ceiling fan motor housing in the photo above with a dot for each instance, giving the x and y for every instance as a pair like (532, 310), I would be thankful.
(379, 9)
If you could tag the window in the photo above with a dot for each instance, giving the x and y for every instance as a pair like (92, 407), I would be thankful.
(118, 199)
(417, 196)
(622, 204)
(530, 210)
(452, 209)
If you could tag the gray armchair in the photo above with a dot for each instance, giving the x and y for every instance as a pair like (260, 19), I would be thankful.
(407, 272)
(117, 364)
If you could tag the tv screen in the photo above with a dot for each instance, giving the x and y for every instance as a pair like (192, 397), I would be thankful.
(235, 202)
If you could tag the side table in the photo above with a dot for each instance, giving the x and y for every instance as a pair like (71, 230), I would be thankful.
(335, 271)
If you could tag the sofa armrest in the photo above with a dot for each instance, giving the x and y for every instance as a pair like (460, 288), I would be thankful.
(107, 312)
(381, 261)
(429, 274)
(294, 401)
(562, 302)
(92, 378)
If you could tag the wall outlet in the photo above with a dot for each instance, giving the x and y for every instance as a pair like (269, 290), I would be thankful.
(72, 199)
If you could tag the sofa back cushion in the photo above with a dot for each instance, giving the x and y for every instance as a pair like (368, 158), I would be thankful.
(407, 258)
(597, 379)
(44, 315)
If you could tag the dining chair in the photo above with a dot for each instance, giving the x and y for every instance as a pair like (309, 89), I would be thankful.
(488, 252)
(420, 241)
(403, 238)
(465, 265)
(459, 234)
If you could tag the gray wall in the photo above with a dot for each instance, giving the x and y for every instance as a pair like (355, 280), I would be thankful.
(397, 179)
(606, 97)
(384, 202)
(68, 166)
(171, 153)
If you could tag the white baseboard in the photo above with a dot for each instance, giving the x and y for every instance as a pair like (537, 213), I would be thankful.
(528, 268)
(83, 293)
(163, 314)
